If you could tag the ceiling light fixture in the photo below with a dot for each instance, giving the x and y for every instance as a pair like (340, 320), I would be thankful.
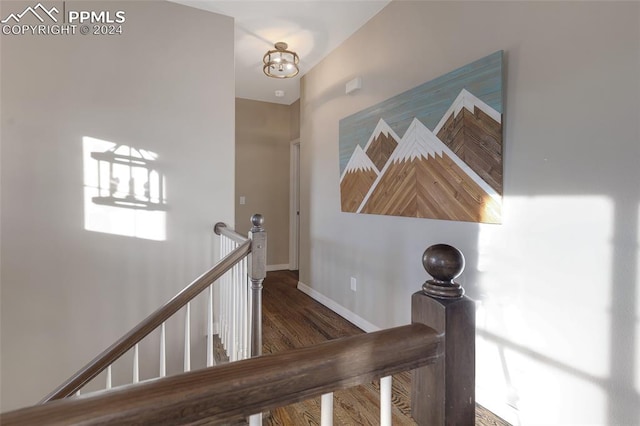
(281, 63)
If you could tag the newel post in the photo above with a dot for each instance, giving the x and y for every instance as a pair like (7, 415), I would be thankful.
(444, 393)
(257, 274)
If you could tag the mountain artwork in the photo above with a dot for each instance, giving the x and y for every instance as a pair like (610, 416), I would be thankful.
(434, 151)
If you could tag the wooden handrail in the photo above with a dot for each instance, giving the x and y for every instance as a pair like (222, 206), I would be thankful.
(233, 391)
(221, 228)
(439, 348)
(129, 340)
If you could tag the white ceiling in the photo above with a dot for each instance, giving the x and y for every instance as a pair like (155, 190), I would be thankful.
(312, 28)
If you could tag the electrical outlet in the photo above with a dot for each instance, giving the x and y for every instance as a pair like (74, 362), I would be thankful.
(243, 200)
(353, 284)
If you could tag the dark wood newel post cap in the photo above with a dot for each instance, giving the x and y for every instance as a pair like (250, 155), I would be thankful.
(444, 393)
(444, 263)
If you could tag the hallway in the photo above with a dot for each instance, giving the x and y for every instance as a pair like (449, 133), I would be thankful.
(291, 320)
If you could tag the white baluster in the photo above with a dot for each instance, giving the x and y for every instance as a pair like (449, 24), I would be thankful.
(187, 339)
(255, 420)
(229, 303)
(385, 401)
(237, 312)
(224, 306)
(220, 301)
(243, 305)
(247, 304)
(216, 308)
(108, 385)
(326, 409)
(223, 302)
(210, 327)
(136, 365)
(241, 313)
(220, 296)
(232, 311)
(163, 351)
(232, 305)
(78, 392)
(249, 316)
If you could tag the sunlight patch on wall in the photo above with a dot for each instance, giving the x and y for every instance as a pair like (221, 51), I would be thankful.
(544, 322)
(124, 192)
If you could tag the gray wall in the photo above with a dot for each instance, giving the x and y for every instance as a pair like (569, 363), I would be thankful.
(264, 131)
(557, 282)
(165, 85)
(295, 120)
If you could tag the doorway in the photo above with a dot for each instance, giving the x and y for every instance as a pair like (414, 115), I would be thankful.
(294, 205)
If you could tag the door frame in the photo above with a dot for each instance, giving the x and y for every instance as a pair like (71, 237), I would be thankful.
(294, 204)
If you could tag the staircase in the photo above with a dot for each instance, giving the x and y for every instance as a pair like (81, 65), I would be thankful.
(438, 347)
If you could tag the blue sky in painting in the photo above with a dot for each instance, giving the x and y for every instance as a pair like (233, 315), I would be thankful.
(427, 102)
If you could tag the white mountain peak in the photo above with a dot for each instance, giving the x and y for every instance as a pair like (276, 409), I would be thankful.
(420, 142)
(382, 128)
(417, 142)
(468, 100)
(359, 161)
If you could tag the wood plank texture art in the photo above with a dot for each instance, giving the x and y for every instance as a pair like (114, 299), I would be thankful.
(433, 188)
(477, 139)
(381, 149)
(448, 162)
(354, 188)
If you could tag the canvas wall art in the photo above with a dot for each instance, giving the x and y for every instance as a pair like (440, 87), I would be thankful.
(434, 151)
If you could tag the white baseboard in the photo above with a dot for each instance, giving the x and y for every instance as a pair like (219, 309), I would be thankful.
(503, 410)
(283, 267)
(338, 309)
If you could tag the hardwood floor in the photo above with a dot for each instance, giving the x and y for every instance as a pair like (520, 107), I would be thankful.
(291, 320)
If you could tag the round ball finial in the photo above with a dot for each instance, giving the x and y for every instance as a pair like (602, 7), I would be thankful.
(257, 220)
(444, 263)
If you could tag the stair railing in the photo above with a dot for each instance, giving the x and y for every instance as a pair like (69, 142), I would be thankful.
(439, 346)
(241, 293)
(253, 247)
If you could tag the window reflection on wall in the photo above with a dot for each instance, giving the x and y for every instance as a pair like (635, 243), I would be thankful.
(124, 190)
